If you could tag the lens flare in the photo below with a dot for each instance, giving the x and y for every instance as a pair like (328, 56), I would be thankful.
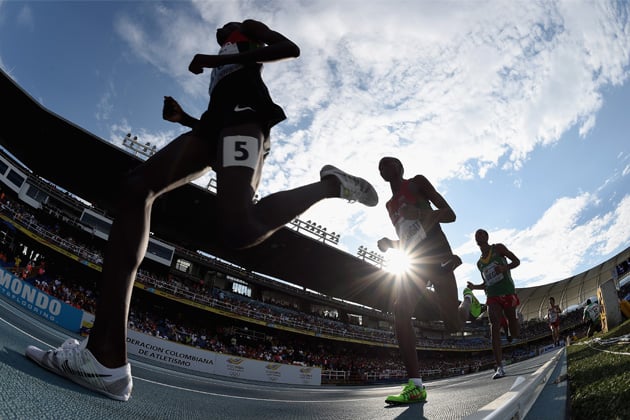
(397, 261)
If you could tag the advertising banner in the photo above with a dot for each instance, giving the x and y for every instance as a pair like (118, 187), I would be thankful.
(34, 300)
(179, 355)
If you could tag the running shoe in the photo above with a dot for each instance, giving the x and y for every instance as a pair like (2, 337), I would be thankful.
(500, 373)
(475, 306)
(353, 188)
(73, 361)
(411, 393)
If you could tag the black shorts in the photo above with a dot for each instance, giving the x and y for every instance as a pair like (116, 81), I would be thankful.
(432, 262)
(235, 101)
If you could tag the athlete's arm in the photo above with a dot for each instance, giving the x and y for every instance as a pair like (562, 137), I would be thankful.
(443, 212)
(385, 243)
(173, 112)
(277, 47)
(472, 286)
(514, 261)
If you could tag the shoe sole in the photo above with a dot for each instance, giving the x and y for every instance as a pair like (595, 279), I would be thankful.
(405, 403)
(332, 170)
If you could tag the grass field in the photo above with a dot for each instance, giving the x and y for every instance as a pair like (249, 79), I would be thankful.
(599, 376)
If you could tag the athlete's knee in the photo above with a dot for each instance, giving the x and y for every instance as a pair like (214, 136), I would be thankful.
(135, 187)
(239, 233)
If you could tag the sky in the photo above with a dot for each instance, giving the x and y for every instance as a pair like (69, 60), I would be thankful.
(516, 111)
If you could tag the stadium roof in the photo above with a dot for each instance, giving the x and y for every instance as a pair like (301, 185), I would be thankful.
(573, 290)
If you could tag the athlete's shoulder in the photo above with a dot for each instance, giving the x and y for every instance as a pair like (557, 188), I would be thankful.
(419, 178)
(419, 184)
(499, 248)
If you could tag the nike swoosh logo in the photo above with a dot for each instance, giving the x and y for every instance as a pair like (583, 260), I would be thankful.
(66, 368)
(238, 108)
(444, 264)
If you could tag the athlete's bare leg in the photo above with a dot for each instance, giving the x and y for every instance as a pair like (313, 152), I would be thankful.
(403, 325)
(182, 160)
(495, 312)
(244, 223)
(514, 325)
(241, 224)
(452, 312)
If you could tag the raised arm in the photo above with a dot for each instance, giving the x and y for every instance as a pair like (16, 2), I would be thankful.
(277, 47)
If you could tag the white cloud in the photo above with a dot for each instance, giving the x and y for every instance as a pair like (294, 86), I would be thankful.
(25, 17)
(556, 243)
(455, 88)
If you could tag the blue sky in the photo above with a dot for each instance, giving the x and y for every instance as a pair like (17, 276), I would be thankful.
(517, 111)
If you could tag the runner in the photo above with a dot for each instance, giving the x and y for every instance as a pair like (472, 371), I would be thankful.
(232, 137)
(417, 225)
(499, 287)
(553, 317)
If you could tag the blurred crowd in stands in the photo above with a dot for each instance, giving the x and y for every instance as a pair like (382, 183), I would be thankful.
(268, 329)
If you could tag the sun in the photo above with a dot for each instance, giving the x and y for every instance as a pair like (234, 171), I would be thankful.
(397, 261)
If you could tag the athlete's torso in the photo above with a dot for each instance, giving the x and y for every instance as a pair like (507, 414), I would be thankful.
(497, 284)
(235, 44)
(238, 93)
(592, 312)
(552, 314)
(410, 231)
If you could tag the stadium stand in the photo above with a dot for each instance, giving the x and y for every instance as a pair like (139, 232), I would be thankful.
(251, 304)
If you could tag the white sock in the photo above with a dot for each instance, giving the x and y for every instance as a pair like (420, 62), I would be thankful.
(417, 381)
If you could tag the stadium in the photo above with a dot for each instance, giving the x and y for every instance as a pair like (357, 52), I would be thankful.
(275, 303)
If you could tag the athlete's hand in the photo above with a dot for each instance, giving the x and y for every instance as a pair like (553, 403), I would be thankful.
(171, 111)
(201, 61)
(384, 244)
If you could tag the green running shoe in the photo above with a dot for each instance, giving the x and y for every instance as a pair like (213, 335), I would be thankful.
(411, 393)
(475, 306)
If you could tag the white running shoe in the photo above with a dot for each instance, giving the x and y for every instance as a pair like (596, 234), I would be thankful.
(73, 361)
(500, 373)
(353, 188)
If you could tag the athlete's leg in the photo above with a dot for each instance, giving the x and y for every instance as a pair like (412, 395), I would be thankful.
(242, 223)
(514, 325)
(453, 313)
(182, 160)
(495, 313)
(407, 296)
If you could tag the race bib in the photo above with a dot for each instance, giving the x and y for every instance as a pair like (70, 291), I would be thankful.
(490, 275)
(240, 151)
(411, 232)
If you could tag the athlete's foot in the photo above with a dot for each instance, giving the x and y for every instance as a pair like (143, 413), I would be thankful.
(74, 361)
(352, 187)
(475, 306)
(410, 394)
